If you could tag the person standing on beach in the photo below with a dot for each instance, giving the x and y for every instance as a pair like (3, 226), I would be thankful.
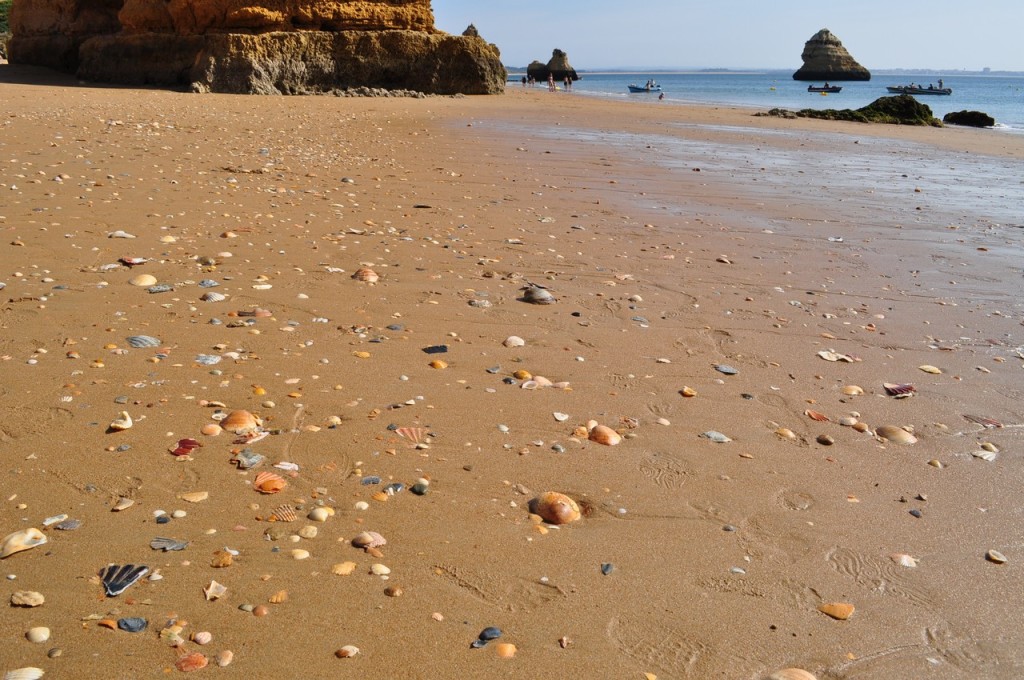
(551, 82)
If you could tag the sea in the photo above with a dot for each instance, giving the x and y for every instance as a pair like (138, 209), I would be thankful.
(1000, 96)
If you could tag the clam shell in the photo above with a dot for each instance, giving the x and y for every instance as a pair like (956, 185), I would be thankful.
(840, 611)
(143, 280)
(139, 341)
(116, 578)
(26, 673)
(369, 539)
(514, 341)
(791, 674)
(985, 455)
(21, 540)
(896, 435)
(224, 657)
(538, 296)
(300, 554)
(347, 652)
(268, 482)
(366, 275)
(240, 422)
(167, 544)
(505, 650)
(212, 296)
(555, 508)
(725, 369)
(715, 436)
(853, 390)
(38, 634)
(194, 496)
(602, 434)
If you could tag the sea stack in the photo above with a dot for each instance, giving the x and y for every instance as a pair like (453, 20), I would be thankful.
(254, 46)
(825, 58)
(558, 68)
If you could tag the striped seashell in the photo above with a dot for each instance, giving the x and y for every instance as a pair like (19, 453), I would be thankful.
(268, 482)
(369, 539)
(139, 341)
(899, 389)
(213, 296)
(366, 274)
(416, 435)
(26, 673)
(815, 415)
(191, 662)
(283, 513)
(167, 544)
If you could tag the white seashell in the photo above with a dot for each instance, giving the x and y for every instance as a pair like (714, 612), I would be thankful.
(848, 421)
(121, 423)
(212, 296)
(985, 455)
(514, 341)
(122, 504)
(321, 514)
(791, 674)
(347, 652)
(361, 505)
(380, 570)
(56, 519)
(715, 436)
(21, 540)
(38, 634)
(299, 554)
(215, 591)
(27, 673)
(560, 417)
(202, 637)
(904, 560)
(366, 275)
(897, 435)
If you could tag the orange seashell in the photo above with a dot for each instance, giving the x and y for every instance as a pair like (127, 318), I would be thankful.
(380, 496)
(555, 508)
(505, 650)
(191, 662)
(791, 674)
(602, 434)
(814, 415)
(837, 610)
(366, 274)
(107, 623)
(279, 597)
(268, 482)
(221, 559)
(241, 422)
(211, 429)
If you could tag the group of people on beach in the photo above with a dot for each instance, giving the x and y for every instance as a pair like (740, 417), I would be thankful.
(552, 87)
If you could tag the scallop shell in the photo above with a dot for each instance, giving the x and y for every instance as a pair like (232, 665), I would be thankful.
(555, 508)
(853, 390)
(538, 296)
(896, 435)
(191, 662)
(27, 598)
(343, 568)
(140, 341)
(899, 390)
(143, 280)
(602, 434)
(121, 423)
(26, 673)
(21, 540)
(268, 482)
(213, 296)
(117, 578)
(240, 422)
(284, 513)
(904, 560)
(167, 544)
(417, 435)
(369, 539)
(814, 415)
(279, 597)
(791, 674)
(366, 275)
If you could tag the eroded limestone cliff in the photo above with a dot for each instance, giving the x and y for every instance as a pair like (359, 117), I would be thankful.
(825, 58)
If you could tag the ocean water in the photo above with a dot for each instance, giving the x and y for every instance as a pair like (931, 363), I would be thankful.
(1002, 97)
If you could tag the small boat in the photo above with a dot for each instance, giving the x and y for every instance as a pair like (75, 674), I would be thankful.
(653, 87)
(825, 88)
(917, 89)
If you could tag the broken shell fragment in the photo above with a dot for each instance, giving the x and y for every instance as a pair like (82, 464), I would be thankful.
(214, 591)
(368, 539)
(555, 508)
(321, 514)
(121, 423)
(896, 435)
(21, 540)
(194, 496)
(839, 611)
(191, 662)
(904, 560)
(930, 369)
(791, 674)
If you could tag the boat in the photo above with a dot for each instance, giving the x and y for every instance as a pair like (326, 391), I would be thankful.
(652, 87)
(825, 88)
(917, 89)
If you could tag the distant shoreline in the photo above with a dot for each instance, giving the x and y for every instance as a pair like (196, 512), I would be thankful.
(521, 70)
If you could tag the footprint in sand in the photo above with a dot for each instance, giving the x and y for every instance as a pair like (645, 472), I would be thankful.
(513, 596)
(879, 574)
(656, 648)
(664, 470)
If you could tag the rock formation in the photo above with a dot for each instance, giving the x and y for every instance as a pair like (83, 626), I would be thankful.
(255, 46)
(559, 68)
(825, 58)
(969, 118)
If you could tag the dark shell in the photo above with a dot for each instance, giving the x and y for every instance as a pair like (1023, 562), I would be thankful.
(139, 341)
(161, 288)
(132, 624)
(167, 544)
(486, 635)
(370, 479)
(69, 525)
(420, 489)
(117, 578)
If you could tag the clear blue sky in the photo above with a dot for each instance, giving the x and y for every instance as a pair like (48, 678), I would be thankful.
(880, 34)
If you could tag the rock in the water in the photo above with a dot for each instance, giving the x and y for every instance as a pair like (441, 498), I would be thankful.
(266, 47)
(825, 58)
(969, 118)
(558, 68)
(897, 110)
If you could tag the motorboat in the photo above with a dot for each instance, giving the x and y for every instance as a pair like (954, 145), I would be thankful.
(917, 89)
(831, 89)
(650, 87)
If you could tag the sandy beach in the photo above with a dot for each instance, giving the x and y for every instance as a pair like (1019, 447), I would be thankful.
(722, 284)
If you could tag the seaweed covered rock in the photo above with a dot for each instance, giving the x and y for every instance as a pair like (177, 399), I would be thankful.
(898, 110)
(969, 118)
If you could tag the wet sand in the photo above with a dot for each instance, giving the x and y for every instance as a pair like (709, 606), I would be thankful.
(675, 239)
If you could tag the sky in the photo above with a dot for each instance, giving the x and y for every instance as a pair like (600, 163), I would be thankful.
(742, 34)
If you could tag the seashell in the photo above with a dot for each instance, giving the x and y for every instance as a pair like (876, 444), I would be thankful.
(300, 554)
(379, 570)
(791, 674)
(343, 568)
(369, 539)
(437, 363)
(143, 280)
(985, 455)
(121, 423)
(988, 423)
(224, 657)
(194, 496)
(26, 598)
(240, 422)
(715, 436)
(904, 560)
(140, 341)
(208, 283)
(514, 341)
(347, 652)
(21, 540)
(560, 417)
(725, 369)
(38, 634)
(542, 381)
(522, 374)
(555, 508)
(214, 591)
(222, 559)
(847, 421)
(861, 427)
(191, 662)
(538, 296)
(602, 434)
(213, 296)
(279, 597)
(320, 514)
(246, 459)
(268, 482)
(283, 513)
(202, 637)
(486, 635)
(930, 369)
(688, 392)
(117, 579)
(840, 611)
(417, 435)
(207, 359)
(26, 673)
(366, 275)
(380, 497)
(505, 650)
(814, 415)
(185, 447)
(995, 557)
(160, 288)
(122, 504)
(167, 544)
(56, 519)
(825, 440)
(852, 390)
(896, 435)
(132, 624)
(308, 532)
(899, 390)
(785, 433)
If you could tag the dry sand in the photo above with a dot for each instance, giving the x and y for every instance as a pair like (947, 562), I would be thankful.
(895, 248)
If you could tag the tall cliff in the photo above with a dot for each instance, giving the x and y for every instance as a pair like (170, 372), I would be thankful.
(254, 46)
(825, 58)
